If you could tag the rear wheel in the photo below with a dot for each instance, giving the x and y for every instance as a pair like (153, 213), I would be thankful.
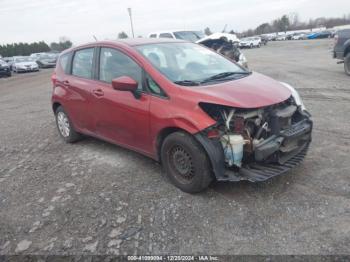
(186, 163)
(347, 64)
(65, 127)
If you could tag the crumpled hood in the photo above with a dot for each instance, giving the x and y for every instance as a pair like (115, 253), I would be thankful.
(26, 64)
(253, 91)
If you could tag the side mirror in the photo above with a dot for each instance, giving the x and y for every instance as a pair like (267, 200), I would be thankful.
(125, 83)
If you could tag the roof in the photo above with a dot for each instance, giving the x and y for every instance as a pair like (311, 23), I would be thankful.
(139, 41)
(128, 42)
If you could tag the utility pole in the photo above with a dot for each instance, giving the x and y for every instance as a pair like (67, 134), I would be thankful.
(132, 27)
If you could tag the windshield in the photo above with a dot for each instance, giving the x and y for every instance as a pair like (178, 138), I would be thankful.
(187, 35)
(22, 59)
(188, 63)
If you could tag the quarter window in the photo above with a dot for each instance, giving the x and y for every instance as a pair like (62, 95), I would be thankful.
(64, 62)
(82, 63)
(114, 64)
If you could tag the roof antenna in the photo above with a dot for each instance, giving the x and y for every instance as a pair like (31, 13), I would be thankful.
(95, 38)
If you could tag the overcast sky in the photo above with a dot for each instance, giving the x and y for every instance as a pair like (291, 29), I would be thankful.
(35, 20)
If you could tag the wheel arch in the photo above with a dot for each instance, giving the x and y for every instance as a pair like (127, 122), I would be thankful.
(55, 105)
(161, 137)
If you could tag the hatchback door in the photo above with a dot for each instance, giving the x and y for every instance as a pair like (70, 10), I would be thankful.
(119, 115)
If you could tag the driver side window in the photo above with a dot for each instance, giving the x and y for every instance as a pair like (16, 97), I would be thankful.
(114, 64)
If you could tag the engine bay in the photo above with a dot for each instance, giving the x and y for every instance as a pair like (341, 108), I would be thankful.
(272, 134)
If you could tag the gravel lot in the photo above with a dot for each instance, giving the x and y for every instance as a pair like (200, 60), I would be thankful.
(94, 197)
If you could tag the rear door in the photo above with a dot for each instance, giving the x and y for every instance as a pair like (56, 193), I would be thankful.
(119, 115)
(80, 84)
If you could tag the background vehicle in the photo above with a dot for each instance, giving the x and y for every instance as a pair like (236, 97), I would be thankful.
(201, 115)
(281, 38)
(191, 36)
(229, 48)
(4, 68)
(319, 35)
(46, 60)
(264, 39)
(299, 36)
(250, 42)
(9, 61)
(341, 49)
(24, 64)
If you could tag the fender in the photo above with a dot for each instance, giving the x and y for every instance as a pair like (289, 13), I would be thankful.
(215, 153)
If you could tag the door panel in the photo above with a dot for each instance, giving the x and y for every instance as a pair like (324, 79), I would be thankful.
(122, 118)
(119, 116)
(79, 86)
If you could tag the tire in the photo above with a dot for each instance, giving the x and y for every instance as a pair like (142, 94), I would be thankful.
(347, 64)
(65, 127)
(185, 163)
(251, 46)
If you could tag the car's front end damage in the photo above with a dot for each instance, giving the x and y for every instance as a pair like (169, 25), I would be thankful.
(256, 144)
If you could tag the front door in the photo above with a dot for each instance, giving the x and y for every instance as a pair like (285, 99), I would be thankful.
(119, 115)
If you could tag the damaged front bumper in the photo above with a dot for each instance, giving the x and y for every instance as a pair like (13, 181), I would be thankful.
(274, 156)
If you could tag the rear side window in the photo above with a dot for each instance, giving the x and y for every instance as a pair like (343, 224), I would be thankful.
(114, 64)
(153, 36)
(82, 63)
(64, 63)
(165, 35)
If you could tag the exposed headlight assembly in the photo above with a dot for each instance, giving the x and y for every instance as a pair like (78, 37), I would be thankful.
(295, 95)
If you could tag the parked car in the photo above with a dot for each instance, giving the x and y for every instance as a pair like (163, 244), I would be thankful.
(319, 35)
(9, 61)
(299, 36)
(46, 60)
(200, 115)
(341, 50)
(24, 64)
(250, 42)
(191, 36)
(229, 48)
(281, 38)
(4, 68)
(264, 39)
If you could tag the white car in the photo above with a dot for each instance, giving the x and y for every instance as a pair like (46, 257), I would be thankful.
(298, 37)
(281, 38)
(24, 64)
(191, 36)
(250, 42)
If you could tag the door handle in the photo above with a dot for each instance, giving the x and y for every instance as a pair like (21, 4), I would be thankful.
(98, 92)
(66, 83)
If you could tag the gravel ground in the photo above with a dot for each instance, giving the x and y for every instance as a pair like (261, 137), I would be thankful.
(96, 198)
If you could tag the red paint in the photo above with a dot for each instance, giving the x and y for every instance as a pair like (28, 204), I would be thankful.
(97, 109)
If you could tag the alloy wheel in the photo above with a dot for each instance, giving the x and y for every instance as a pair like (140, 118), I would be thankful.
(63, 124)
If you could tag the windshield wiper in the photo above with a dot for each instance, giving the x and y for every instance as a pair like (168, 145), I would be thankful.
(187, 83)
(224, 75)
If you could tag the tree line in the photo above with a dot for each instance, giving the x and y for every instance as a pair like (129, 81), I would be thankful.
(291, 22)
(25, 49)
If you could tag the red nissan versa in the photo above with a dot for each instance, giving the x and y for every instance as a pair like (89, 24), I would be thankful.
(201, 115)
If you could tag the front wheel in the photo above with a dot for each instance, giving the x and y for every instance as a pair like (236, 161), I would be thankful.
(347, 64)
(186, 163)
(65, 127)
